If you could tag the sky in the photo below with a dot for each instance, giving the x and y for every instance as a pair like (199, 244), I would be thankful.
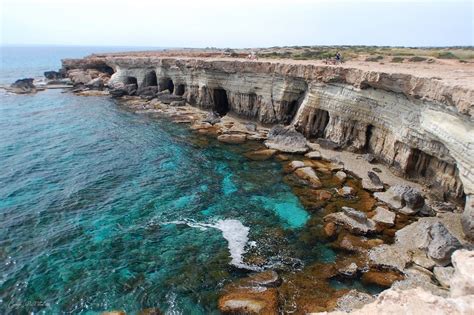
(237, 24)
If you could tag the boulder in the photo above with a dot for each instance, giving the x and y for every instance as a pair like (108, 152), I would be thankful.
(381, 278)
(400, 196)
(367, 184)
(420, 258)
(328, 144)
(443, 275)
(314, 155)
(249, 301)
(384, 216)
(341, 176)
(260, 155)
(346, 191)
(369, 158)
(442, 244)
(349, 271)
(462, 282)
(148, 92)
(232, 138)
(95, 84)
(354, 221)
(309, 175)
(53, 75)
(293, 165)
(212, 118)
(374, 178)
(23, 86)
(286, 139)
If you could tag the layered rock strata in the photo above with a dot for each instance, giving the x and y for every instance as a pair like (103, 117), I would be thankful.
(422, 127)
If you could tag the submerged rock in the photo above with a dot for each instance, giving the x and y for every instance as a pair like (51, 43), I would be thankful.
(346, 191)
(309, 175)
(381, 278)
(286, 139)
(232, 138)
(341, 176)
(260, 155)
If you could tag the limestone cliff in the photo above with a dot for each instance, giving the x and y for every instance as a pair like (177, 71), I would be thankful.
(421, 126)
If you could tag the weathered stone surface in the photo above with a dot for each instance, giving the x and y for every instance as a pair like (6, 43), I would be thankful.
(381, 278)
(308, 174)
(384, 216)
(315, 155)
(444, 275)
(462, 282)
(249, 301)
(293, 165)
(354, 221)
(96, 84)
(399, 196)
(420, 258)
(349, 270)
(467, 218)
(286, 139)
(442, 244)
(353, 300)
(232, 138)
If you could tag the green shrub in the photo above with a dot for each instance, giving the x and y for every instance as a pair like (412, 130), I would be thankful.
(397, 59)
(374, 59)
(447, 55)
(417, 59)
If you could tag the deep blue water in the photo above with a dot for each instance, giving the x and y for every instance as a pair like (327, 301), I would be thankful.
(103, 209)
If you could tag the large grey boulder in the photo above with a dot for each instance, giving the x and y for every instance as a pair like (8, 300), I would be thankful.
(442, 244)
(406, 199)
(354, 221)
(23, 86)
(286, 139)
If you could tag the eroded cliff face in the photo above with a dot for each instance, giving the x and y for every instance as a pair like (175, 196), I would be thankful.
(422, 127)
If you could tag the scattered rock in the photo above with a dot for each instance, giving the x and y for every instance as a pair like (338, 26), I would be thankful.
(293, 165)
(314, 155)
(400, 196)
(308, 174)
(249, 302)
(384, 216)
(260, 155)
(330, 229)
(328, 144)
(354, 221)
(376, 169)
(369, 158)
(168, 98)
(341, 176)
(286, 139)
(323, 195)
(267, 279)
(232, 138)
(374, 178)
(442, 244)
(346, 191)
(349, 271)
(462, 282)
(23, 86)
(389, 256)
(443, 275)
(95, 84)
(367, 184)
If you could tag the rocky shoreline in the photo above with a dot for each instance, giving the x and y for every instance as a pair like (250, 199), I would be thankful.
(394, 233)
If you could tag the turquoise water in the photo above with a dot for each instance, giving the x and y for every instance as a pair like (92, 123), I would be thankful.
(103, 209)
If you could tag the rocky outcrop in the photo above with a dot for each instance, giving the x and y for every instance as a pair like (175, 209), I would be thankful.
(23, 86)
(421, 126)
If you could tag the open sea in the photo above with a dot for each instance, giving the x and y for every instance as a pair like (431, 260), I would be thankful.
(103, 209)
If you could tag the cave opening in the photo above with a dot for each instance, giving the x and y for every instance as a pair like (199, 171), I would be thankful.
(368, 136)
(320, 122)
(131, 80)
(290, 111)
(166, 84)
(418, 163)
(180, 89)
(221, 102)
(150, 79)
(106, 69)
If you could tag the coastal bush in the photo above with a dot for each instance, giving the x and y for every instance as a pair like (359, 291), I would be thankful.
(374, 59)
(447, 55)
(417, 59)
(397, 59)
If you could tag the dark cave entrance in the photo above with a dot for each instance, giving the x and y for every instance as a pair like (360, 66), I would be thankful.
(166, 84)
(150, 79)
(368, 136)
(418, 163)
(179, 89)
(321, 120)
(221, 102)
(131, 80)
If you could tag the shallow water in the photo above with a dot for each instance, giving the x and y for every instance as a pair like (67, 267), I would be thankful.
(104, 209)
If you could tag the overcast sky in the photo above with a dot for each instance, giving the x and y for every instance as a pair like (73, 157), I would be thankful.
(221, 23)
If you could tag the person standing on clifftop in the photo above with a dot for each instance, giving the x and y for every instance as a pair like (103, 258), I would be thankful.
(338, 56)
